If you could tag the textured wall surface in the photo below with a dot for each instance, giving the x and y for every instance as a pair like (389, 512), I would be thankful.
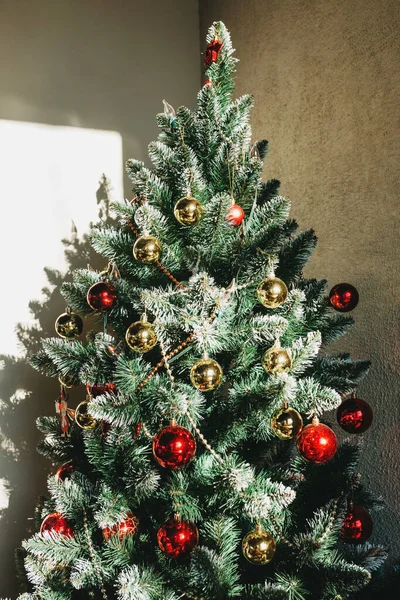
(94, 64)
(326, 81)
(100, 64)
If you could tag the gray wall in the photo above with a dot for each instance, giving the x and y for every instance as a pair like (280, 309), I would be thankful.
(326, 80)
(101, 64)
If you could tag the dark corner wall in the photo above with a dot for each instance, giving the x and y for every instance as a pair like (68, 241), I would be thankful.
(98, 65)
(326, 81)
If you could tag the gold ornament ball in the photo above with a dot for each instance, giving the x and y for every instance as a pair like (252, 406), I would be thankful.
(272, 292)
(277, 360)
(188, 211)
(69, 326)
(206, 374)
(258, 546)
(286, 423)
(83, 418)
(141, 337)
(147, 249)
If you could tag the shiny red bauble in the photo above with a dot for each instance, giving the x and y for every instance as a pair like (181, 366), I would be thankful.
(98, 390)
(56, 523)
(102, 296)
(177, 538)
(317, 443)
(64, 471)
(212, 52)
(355, 415)
(235, 215)
(343, 297)
(174, 447)
(357, 525)
(129, 526)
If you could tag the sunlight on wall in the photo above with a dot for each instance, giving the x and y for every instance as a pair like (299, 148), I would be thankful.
(4, 494)
(49, 179)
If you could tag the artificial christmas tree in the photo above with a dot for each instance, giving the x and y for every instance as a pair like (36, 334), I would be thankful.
(185, 479)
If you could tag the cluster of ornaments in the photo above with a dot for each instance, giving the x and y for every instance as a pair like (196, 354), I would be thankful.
(189, 211)
(174, 446)
(176, 538)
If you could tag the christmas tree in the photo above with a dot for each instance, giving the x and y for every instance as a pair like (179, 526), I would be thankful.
(199, 465)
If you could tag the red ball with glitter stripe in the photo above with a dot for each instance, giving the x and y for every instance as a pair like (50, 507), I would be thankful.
(128, 526)
(235, 215)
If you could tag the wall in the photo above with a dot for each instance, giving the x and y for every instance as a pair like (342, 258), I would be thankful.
(326, 83)
(93, 65)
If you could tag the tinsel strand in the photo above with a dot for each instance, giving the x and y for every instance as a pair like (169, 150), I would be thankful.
(203, 439)
(158, 366)
(279, 532)
(187, 413)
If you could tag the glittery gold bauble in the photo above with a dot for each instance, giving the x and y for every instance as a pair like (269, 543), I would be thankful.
(206, 374)
(83, 418)
(147, 249)
(286, 423)
(188, 211)
(277, 360)
(272, 292)
(258, 546)
(69, 326)
(140, 336)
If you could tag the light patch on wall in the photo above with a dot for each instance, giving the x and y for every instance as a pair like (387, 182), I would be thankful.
(49, 179)
(4, 494)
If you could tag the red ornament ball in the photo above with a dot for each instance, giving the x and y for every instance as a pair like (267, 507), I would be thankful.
(57, 523)
(174, 447)
(98, 390)
(208, 83)
(177, 538)
(102, 296)
(355, 415)
(64, 471)
(235, 215)
(212, 52)
(317, 443)
(357, 525)
(343, 297)
(129, 526)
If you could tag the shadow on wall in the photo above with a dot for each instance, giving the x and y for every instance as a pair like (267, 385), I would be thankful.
(25, 395)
